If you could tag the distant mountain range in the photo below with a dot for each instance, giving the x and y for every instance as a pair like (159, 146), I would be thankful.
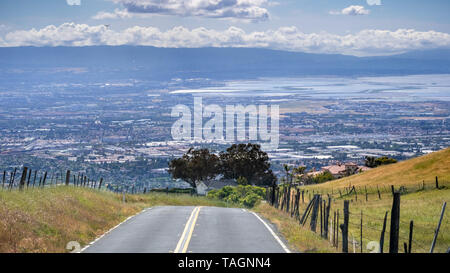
(217, 63)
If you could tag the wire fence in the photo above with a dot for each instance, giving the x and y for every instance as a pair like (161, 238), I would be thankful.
(27, 178)
(367, 229)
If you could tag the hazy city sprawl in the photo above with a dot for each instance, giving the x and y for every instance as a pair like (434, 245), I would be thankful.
(118, 125)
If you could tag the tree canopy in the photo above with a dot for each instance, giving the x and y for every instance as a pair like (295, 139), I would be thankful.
(246, 162)
(373, 162)
(249, 161)
(195, 166)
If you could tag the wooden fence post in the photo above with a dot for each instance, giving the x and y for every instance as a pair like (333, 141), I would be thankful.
(4, 179)
(361, 233)
(395, 224)
(67, 177)
(283, 199)
(344, 227)
(273, 193)
(438, 227)
(277, 197)
(437, 183)
(382, 232)
(288, 198)
(306, 213)
(317, 202)
(23, 177)
(295, 208)
(327, 216)
(29, 178)
(411, 226)
(337, 229)
(321, 216)
(43, 180)
(334, 229)
(13, 176)
(34, 178)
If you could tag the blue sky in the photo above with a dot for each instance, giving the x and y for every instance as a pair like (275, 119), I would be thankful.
(333, 26)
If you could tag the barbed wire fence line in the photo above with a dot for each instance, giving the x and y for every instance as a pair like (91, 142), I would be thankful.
(29, 179)
(320, 208)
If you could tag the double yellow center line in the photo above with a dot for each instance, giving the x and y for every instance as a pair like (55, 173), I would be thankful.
(185, 238)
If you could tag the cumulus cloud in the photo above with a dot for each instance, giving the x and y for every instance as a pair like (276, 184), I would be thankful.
(374, 2)
(242, 9)
(363, 43)
(73, 2)
(351, 10)
(118, 13)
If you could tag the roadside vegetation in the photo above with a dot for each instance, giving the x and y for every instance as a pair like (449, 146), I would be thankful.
(46, 219)
(299, 238)
(247, 195)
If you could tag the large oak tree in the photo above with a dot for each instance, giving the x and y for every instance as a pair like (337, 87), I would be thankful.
(195, 166)
(249, 161)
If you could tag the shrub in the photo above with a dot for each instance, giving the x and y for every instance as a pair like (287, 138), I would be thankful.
(250, 200)
(323, 177)
(247, 195)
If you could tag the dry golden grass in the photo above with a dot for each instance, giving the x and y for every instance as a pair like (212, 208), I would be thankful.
(299, 238)
(422, 205)
(45, 220)
(409, 172)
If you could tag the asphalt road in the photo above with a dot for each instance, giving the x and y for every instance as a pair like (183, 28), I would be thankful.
(190, 230)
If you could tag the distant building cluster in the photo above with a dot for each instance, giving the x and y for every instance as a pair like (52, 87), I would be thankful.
(340, 170)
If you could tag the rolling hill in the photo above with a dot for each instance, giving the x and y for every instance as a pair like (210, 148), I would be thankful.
(405, 173)
(151, 63)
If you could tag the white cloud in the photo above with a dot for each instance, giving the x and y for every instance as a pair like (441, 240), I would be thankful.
(118, 13)
(243, 9)
(351, 10)
(73, 2)
(363, 43)
(374, 2)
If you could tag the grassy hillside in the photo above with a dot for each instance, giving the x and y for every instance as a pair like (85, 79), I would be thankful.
(409, 172)
(419, 204)
(45, 220)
